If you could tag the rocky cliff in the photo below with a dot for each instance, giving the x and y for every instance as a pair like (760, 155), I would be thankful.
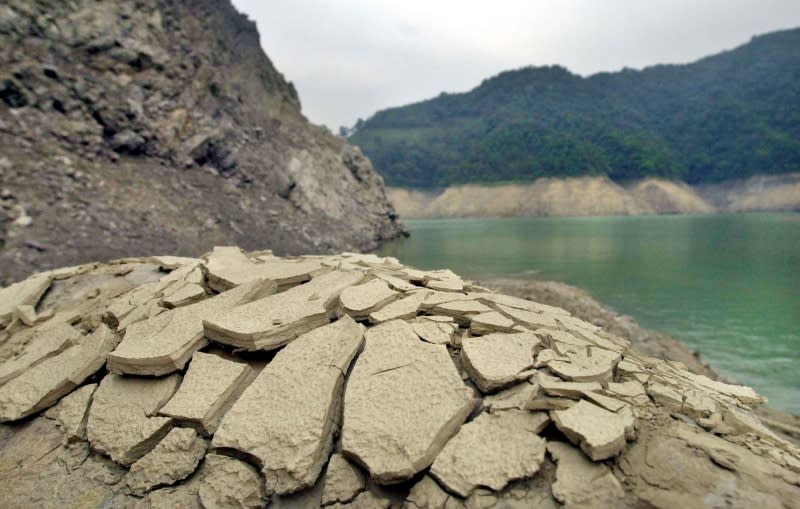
(132, 127)
(600, 196)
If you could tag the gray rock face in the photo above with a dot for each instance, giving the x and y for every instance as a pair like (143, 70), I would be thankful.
(122, 422)
(134, 107)
(491, 451)
(286, 417)
(455, 404)
(174, 458)
(404, 400)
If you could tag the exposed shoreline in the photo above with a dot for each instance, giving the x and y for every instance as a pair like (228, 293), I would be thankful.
(599, 196)
(580, 303)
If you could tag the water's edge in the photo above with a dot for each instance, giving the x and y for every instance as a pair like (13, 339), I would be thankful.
(582, 304)
(725, 284)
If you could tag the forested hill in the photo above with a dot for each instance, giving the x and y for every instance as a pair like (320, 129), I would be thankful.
(726, 116)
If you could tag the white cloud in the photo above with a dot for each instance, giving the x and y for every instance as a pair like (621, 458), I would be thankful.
(350, 58)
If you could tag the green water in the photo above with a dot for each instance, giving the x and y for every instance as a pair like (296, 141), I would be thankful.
(728, 285)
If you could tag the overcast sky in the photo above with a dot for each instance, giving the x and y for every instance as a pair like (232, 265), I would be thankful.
(350, 58)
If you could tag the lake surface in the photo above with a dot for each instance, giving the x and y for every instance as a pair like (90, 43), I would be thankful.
(728, 285)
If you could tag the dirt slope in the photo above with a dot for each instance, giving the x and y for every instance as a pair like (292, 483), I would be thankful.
(133, 127)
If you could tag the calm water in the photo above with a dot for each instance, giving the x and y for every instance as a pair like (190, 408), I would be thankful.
(728, 285)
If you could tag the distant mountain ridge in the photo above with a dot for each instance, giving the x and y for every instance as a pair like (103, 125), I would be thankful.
(727, 116)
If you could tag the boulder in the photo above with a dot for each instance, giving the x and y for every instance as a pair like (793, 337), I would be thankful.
(584, 364)
(189, 293)
(446, 285)
(26, 314)
(396, 283)
(511, 302)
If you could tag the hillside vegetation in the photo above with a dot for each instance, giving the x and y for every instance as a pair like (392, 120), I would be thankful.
(731, 115)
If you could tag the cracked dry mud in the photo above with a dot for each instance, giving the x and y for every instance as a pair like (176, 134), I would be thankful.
(247, 380)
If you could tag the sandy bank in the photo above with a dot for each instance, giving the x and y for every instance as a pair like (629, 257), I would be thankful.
(599, 196)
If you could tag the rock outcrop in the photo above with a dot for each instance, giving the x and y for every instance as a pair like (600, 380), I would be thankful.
(117, 120)
(377, 390)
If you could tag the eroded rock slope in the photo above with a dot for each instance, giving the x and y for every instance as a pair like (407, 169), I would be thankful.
(351, 381)
(133, 127)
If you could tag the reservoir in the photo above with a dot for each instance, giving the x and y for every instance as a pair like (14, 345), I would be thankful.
(727, 285)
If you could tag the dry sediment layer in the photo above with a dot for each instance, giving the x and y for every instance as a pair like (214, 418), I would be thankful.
(599, 196)
(355, 382)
